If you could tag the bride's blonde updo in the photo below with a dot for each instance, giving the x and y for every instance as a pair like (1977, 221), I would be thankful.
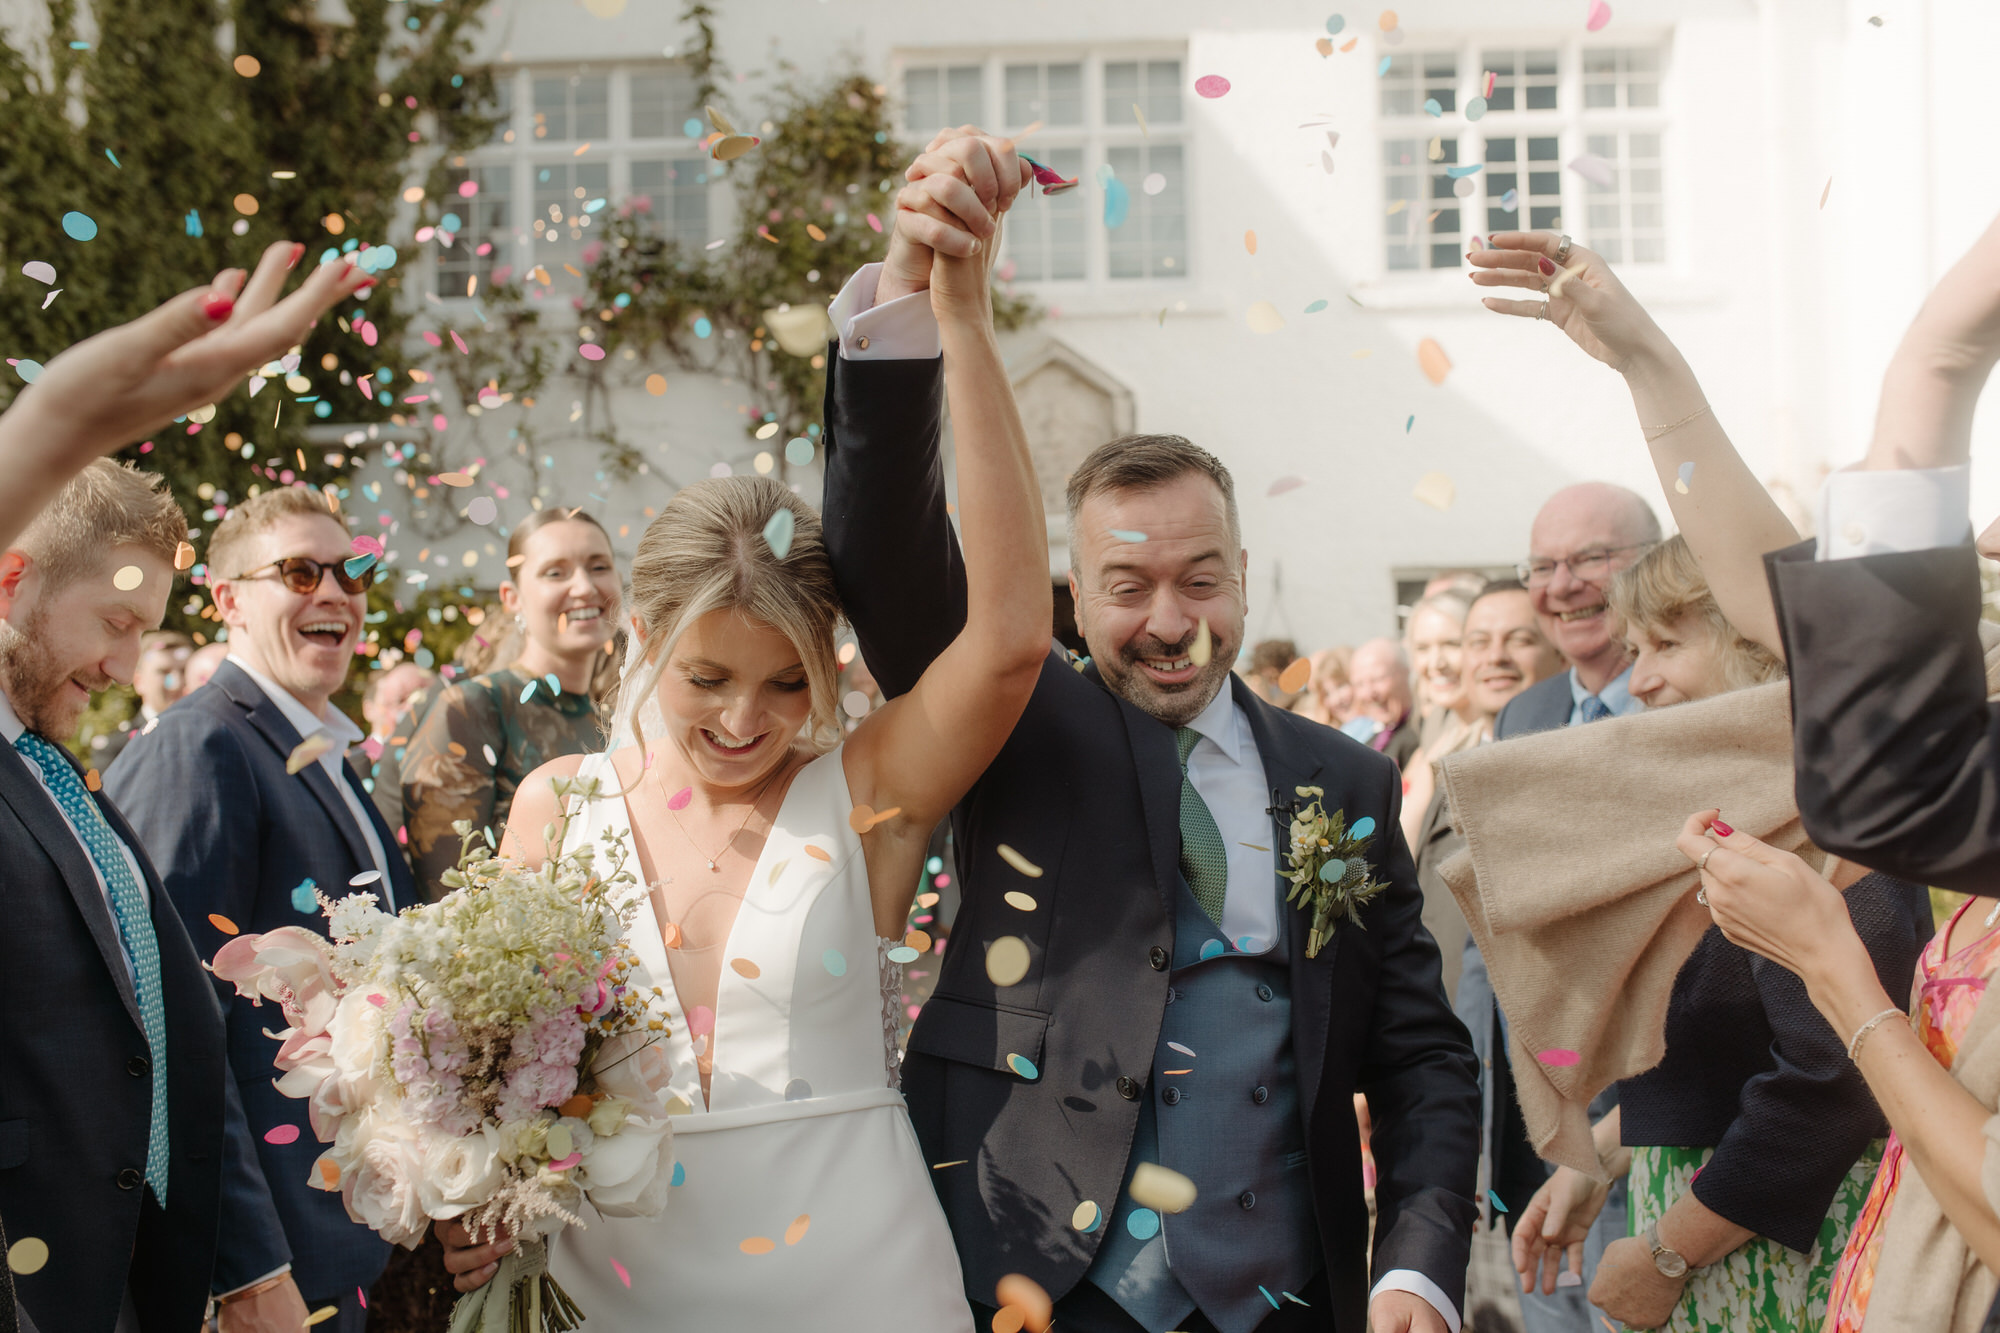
(706, 552)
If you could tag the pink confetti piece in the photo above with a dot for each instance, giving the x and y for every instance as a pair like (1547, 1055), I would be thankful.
(282, 1134)
(875, 222)
(1211, 85)
(378, 1000)
(623, 1276)
(432, 338)
(701, 1021)
(679, 800)
(565, 1163)
(366, 545)
(590, 352)
(1600, 14)
(1557, 1057)
(459, 343)
(1283, 484)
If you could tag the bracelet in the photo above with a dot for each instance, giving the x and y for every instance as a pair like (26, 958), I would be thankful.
(255, 1288)
(1854, 1046)
(1659, 432)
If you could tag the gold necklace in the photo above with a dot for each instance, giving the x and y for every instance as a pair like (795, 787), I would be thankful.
(675, 815)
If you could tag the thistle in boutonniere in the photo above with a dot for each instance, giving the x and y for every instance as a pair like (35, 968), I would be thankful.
(1329, 868)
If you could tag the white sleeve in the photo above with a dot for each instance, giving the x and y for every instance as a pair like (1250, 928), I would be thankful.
(1882, 512)
(903, 330)
(1410, 1280)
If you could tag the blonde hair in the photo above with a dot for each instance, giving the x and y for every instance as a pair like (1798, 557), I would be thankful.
(1664, 586)
(256, 515)
(107, 504)
(706, 552)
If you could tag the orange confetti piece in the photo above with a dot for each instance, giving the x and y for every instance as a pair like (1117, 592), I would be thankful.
(920, 940)
(92, 780)
(223, 924)
(1324, 46)
(815, 232)
(864, 817)
(1250, 241)
(670, 934)
(1432, 361)
(743, 967)
(1008, 1319)
(758, 1245)
(184, 556)
(577, 1107)
(818, 853)
(1294, 677)
(1388, 22)
(329, 1175)
(796, 1232)
(927, 900)
(1348, 45)
(1025, 1295)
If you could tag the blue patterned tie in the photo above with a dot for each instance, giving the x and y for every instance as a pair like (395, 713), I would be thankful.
(1204, 857)
(128, 904)
(1595, 709)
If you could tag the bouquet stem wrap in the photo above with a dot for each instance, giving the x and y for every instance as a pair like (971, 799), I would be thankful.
(521, 1298)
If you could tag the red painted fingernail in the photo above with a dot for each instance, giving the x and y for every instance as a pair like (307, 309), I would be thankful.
(1545, 265)
(361, 287)
(298, 249)
(1721, 827)
(217, 305)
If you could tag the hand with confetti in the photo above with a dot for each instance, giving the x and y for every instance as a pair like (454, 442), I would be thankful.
(114, 387)
(957, 189)
(1584, 298)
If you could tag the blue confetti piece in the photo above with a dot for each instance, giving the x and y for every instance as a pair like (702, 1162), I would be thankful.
(1213, 949)
(778, 532)
(27, 370)
(692, 127)
(1143, 1224)
(1117, 203)
(1470, 169)
(79, 46)
(114, 159)
(79, 226)
(595, 205)
(1410, 424)
(1362, 827)
(702, 328)
(903, 953)
(1331, 872)
(680, 1174)
(1382, 68)
(304, 898)
(1269, 1297)
(1432, 108)
(357, 565)
(555, 686)
(1334, 25)
(835, 962)
(451, 222)
(1476, 109)
(1023, 1066)
(1510, 201)
(1494, 1199)
(798, 451)
(1128, 535)
(1316, 307)
(529, 693)
(935, 864)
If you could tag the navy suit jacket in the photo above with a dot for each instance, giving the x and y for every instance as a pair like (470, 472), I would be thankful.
(1543, 706)
(76, 1094)
(234, 835)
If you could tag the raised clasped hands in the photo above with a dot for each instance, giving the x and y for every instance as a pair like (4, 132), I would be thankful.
(949, 210)
(1584, 298)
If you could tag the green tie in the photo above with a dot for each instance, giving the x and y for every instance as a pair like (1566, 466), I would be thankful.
(1204, 860)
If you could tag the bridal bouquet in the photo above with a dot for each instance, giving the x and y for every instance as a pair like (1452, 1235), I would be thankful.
(489, 1057)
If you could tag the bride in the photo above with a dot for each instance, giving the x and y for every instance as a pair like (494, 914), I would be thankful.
(782, 866)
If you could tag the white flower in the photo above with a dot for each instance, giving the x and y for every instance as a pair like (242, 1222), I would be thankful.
(627, 1174)
(461, 1173)
(382, 1188)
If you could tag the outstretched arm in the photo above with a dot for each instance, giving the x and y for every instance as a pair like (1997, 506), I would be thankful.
(112, 388)
(1728, 518)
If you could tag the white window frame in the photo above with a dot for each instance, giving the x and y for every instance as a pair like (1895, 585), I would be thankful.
(526, 155)
(1571, 123)
(1095, 137)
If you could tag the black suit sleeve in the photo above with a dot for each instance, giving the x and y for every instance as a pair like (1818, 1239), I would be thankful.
(1896, 748)
(895, 556)
(250, 1242)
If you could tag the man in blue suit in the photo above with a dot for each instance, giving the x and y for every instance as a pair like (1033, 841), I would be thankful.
(244, 799)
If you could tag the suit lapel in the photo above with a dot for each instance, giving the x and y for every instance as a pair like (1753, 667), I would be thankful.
(401, 890)
(34, 807)
(1158, 770)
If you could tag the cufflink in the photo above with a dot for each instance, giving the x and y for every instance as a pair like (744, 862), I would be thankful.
(862, 342)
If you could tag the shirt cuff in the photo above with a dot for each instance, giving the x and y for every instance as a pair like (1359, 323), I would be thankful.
(904, 329)
(280, 1269)
(1893, 510)
(1410, 1280)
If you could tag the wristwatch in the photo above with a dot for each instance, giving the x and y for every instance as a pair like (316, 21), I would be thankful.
(1670, 1264)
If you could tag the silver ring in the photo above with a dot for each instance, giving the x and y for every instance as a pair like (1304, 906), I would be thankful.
(1701, 896)
(1562, 251)
(1542, 310)
(1702, 864)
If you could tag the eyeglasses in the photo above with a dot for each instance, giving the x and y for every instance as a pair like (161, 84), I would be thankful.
(303, 574)
(1589, 566)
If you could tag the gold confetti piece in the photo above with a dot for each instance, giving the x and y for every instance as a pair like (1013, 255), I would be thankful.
(1019, 862)
(128, 577)
(1263, 317)
(1176, 1071)
(1436, 150)
(920, 940)
(818, 853)
(1827, 191)
(758, 1245)
(1161, 1188)
(1432, 361)
(1007, 960)
(939, 1166)
(308, 752)
(1250, 241)
(733, 146)
(27, 1255)
(778, 870)
(1680, 487)
(720, 121)
(246, 65)
(1017, 899)
(321, 1315)
(743, 967)
(1203, 647)
(796, 1232)
(1294, 677)
(1140, 116)
(1253, 846)
(184, 556)
(1362, 354)
(1561, 279)
(1396, 208)
(1435, 489)
(1086, 1215)
(454, 479)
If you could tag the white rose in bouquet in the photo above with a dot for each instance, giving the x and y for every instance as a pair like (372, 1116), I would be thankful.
(464, 1172)
(627, 1174)
(383, 1189)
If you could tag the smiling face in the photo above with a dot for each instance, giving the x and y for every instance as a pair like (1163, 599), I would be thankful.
(1594, 530)
(1437, 642)
(1381, 682)
(565, 589)
(734, 697)
(1505, 651)
(1140, 604)
(303, 641)
(158, 679)
(58, 648)
(1676, 663)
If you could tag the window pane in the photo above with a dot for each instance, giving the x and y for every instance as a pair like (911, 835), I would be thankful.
(1064, 90)
(1425, 223)
(1537, 191)
(1051, 94)
(487, 224)
(1622, 77)
(1399, 85)
(1440, 81)
(662, 103)
(592, 103)
(961, 91)
(563, 221)
(1522, 80)
(1163, 92)
(1152, 241)
(552, 108)
(502, 109)
(1047, 242)
(922, 110)
(670, 196)
(1628, 217)
(1121, 90)
(935, 98)
(1402, 177)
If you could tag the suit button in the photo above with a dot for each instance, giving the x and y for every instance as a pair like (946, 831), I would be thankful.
(1264, 994)
(138, 1066)
(1172, 1096)
(130, 1178)
(1260, 1095)
(1247, 1199)
(1127, 1088)
(1158, 958)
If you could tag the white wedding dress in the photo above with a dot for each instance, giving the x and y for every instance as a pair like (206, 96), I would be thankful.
(800, 1197)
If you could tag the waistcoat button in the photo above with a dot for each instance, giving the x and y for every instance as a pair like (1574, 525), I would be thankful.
(1172, 1096)
(130, 1178)
(1260, 1095)
(1264, 993)
(1158, 958)
(138, 1066)
(1127, 1088)
(1247, 1199)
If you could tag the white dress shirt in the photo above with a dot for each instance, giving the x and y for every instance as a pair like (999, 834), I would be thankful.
(11, 728)
(341, 730)
(1224, 764)
(1879, 513)
(1616, 696)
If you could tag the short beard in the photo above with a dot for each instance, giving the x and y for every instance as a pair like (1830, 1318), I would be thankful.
(1175, 705)
(34, 681)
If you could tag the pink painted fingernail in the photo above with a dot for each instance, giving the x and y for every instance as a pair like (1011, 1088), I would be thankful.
(298, 249)
(1721, 827)
(217, 305)
(1546, 265)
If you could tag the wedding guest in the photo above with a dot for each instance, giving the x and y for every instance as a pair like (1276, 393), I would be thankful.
(1140, 730)
(1329, 695)
(1380, 671)
(1268, 660)
(127, 1152)
(201, 665)
(1434, 638)
(1463, 584)
(163, 658)
(245, 799)
(385, 705)
(482, 736)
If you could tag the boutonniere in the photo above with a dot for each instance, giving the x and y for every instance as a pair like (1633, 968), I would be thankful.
(1328, 868)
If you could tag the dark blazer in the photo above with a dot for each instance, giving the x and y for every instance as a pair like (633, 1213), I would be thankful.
(76, 1093)
(1896, 748)
(234, 835)
(1088, 788)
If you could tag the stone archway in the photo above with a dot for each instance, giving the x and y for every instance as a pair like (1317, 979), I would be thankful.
(1069, 407)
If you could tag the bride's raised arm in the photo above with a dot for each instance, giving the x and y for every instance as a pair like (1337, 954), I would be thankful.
(923, 751)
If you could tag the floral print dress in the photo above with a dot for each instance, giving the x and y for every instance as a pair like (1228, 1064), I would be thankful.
(1949, 989)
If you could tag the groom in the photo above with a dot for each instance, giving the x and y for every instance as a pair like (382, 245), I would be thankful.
(1132, 835)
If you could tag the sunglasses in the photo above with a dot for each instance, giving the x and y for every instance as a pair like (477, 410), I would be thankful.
(302, 575)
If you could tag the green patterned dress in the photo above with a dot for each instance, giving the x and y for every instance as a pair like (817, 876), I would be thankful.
(1762, 1285)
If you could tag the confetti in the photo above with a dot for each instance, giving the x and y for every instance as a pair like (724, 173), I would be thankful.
(1087, 1218)
(903, 953)
(282, 1134)
(1685, 476)
(79, 226)
(1023, 1295)
(1825, 192)
(1268, 1296)
(1023, 1066)
(679, 800)
(1203, 647)
(1316, 307)
(623, 1275)
(1600, 14)
(1007, 960)
(454, 479)
(1143, 1224)
(1432, 361)
(1019, 862)
(364, 879)
(41, 272)
(863, 817)
(1211, 85)
(1435, 489)
(778, 532)
(1294, 677)
(1161, 1188)
(1382, 67)
(1117, 203)
(743, 967)
(939, 1166)
(758, 1245)
(1875, 20)
(1263, 317)
(1432, 107)
(27, 1255)
(700, 1021)
(1154, 183)
(1019, 901)
(1557, 1057)
(656, 384)
(1362, 827)
(818, 853)
(1388, 21)
(308, 752)
(1283, 484)
(1335, 25)
(1128, 536)
(1495, 1200)
(128, 577)
(1593, 169)
(321, 1315)
(1568, 1279)
(1250, 241)
(1475, 109)
(305, 898)
(482, 510)
(590, 352)
(223, 924)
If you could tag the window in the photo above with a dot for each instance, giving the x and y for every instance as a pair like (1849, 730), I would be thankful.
(1480, 140)
(539, 203)
(1114, 121)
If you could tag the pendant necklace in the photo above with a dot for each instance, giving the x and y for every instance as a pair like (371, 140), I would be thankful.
(712, 860)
